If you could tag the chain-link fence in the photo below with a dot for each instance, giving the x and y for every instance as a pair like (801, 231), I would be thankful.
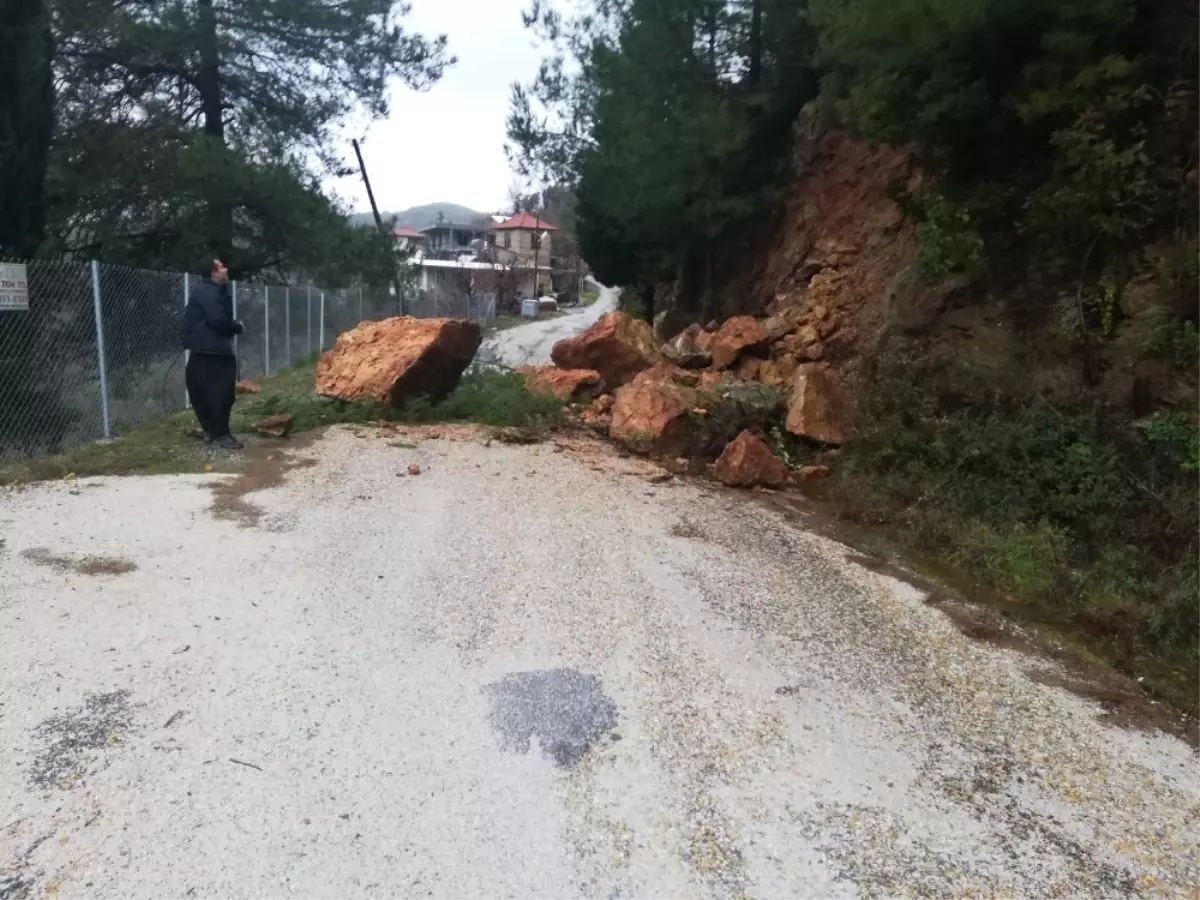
(88, 350)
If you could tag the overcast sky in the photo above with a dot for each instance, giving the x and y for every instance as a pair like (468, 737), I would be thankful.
(447, 144)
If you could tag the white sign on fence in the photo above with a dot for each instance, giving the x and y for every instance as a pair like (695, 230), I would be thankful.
(14, 288)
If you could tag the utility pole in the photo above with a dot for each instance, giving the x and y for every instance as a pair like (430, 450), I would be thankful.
(362, 167)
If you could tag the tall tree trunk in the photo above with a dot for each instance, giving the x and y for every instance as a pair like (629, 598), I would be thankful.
(648, 302)
(208, 82)
(26, 123)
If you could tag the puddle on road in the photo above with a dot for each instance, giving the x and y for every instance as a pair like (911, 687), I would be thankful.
(564, 709)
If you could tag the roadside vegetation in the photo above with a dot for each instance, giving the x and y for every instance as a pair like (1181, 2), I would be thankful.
(490, 397)
(1038, 438)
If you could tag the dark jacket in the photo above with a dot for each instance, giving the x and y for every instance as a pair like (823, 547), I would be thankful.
(208, 324)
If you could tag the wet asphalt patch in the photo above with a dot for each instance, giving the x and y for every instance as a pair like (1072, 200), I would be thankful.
(72, 740)
(564, 709)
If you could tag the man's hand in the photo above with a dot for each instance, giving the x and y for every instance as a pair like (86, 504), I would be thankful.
(239, 326)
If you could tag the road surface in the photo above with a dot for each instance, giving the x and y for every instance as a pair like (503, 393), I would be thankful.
(533, 672)
(530, 345)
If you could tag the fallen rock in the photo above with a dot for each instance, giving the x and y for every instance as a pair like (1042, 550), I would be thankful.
(748, 462)
(815, 406)
(749, 368)
(780, 325)
(617, 346)
(562, 384)
(770, 372)
(651, 413)
(737, 335)
(598, 414)
(690, 348)
(813, 352)
(668, 411)
(794, 344)
(247, 387)
(276, 426)
(395, 359)
(414, 468)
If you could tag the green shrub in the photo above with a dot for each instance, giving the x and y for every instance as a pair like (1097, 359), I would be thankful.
(1026, 561)
(1176, 437)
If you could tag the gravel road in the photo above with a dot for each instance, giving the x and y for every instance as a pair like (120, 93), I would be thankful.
(527, 671)
(530, 345)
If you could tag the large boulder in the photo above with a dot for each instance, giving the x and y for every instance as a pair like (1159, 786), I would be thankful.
(690, 348)
(394, 359)
(653, 413)
(747, 461)
(562, 384)
(669, 411)
(617, 346)
(815, 408)
(737, 335)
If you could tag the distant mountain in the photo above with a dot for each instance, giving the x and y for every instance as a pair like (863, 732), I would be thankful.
(422, 216)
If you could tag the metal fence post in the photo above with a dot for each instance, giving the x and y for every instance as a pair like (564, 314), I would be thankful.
(236, 354)
(360, 318)
(308, 324)
(267, 330)
(187, 401)
(287, 325)
(321, 341)
(100, 349)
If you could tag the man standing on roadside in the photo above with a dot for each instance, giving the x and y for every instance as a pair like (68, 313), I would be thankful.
(211, 373)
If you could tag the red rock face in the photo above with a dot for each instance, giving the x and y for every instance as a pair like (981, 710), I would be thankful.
(276, 426)
(398, 358)
(617, 346)
(815, 406)
(748, 462)
(562, 384)
(736, 335)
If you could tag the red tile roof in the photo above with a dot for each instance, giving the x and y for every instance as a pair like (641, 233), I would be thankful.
(525, 220)
(405, 231)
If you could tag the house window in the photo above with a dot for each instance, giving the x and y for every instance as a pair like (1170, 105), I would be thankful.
(505, 239)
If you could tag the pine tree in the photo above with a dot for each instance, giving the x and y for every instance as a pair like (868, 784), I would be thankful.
(26, 123)
(218, 97)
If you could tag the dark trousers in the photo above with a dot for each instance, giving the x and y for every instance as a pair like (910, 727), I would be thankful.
(211, 380)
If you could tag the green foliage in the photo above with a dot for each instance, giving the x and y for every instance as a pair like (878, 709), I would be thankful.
(26, 122)
(1183, 344)
(1176, 437)
(675, 133)
(947, 239)
(207, 126)
(1026, 560)
(1071, 121)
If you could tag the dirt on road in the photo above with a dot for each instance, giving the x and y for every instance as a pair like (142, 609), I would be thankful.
(528, 671)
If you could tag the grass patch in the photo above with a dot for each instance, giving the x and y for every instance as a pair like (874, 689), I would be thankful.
(488, 396)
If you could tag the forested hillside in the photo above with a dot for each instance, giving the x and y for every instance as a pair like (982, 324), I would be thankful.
(1023, 361)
